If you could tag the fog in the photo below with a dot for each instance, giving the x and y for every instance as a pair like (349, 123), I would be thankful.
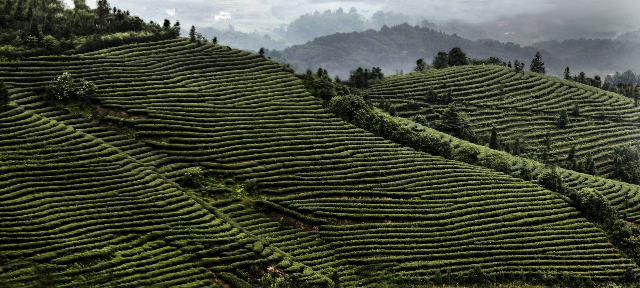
(522, 22)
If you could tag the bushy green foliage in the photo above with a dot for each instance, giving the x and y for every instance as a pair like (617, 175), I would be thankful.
(192, 177)
(63, 89)
(551, 179)
(595, 206)
(466, 153)
(626, 163)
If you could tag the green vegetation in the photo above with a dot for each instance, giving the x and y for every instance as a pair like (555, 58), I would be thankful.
(352, 206)
(242, 173)
(46, 27)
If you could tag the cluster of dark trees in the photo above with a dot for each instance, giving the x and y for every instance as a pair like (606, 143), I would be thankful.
(39, 27)
(626, 84)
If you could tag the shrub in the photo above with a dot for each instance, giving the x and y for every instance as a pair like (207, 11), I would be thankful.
(192, 177)
(467, 153)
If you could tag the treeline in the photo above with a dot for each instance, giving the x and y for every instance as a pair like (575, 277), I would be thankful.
(395, 49)
(44, 27)
(595, 54)
(626, 84)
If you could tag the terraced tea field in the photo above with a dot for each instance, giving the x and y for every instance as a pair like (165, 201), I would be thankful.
(523, 106)
(361, 207)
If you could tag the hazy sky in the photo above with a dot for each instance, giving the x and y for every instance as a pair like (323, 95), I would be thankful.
(612, 15)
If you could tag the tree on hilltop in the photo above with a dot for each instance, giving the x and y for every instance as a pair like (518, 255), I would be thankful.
(537, 65)
(441, 61)
(192, 33)
(457, 57)
(166, 24)
(567, 74)
(421, 66)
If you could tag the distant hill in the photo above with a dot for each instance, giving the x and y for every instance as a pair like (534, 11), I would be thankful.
(397, 48)
(595, 56)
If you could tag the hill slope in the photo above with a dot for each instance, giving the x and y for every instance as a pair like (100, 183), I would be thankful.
(397, 48)
(365, 204)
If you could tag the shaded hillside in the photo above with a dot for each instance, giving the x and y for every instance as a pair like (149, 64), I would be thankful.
(397, 48)
(372, 210)
(525, 108)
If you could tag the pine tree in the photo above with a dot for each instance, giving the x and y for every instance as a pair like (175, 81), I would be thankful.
(261, 52)
(567, 73)
(509, 65)
(4, 97)
(563, 119)
(493, 141)
(571, 158)
(432, 96)
(214, 40)
(192, 34)
(547, 140)
(537, 65)
(576, 109)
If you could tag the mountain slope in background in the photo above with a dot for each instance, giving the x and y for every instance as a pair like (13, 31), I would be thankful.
(397, 48)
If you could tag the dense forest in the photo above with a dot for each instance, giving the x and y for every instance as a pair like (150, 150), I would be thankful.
(396, 49)
(43, 27)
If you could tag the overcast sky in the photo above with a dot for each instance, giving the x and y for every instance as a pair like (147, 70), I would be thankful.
(598, 16)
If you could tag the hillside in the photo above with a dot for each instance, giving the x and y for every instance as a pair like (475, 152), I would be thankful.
(397, 48)
(524, 107)
(352, 207)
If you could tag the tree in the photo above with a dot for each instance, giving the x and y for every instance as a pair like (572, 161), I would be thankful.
(103, 8)
(80, 4)
(432, 96)
(421, 66)
(192, 34)
(4, 97)
(457, 57)
(509, 65)
(550, 179)
(494, 141)
(595, 206)
(582, 78)
(441, 61)
(567, 74)
(214, 40)
(166, 24)
(563, 119)
(176, 27)
(518, 66)
(576, 109)
(62, 88)
(537, 65)
(571, 158)
(261, 52)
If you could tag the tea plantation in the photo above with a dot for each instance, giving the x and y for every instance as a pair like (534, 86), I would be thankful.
(333, 205)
